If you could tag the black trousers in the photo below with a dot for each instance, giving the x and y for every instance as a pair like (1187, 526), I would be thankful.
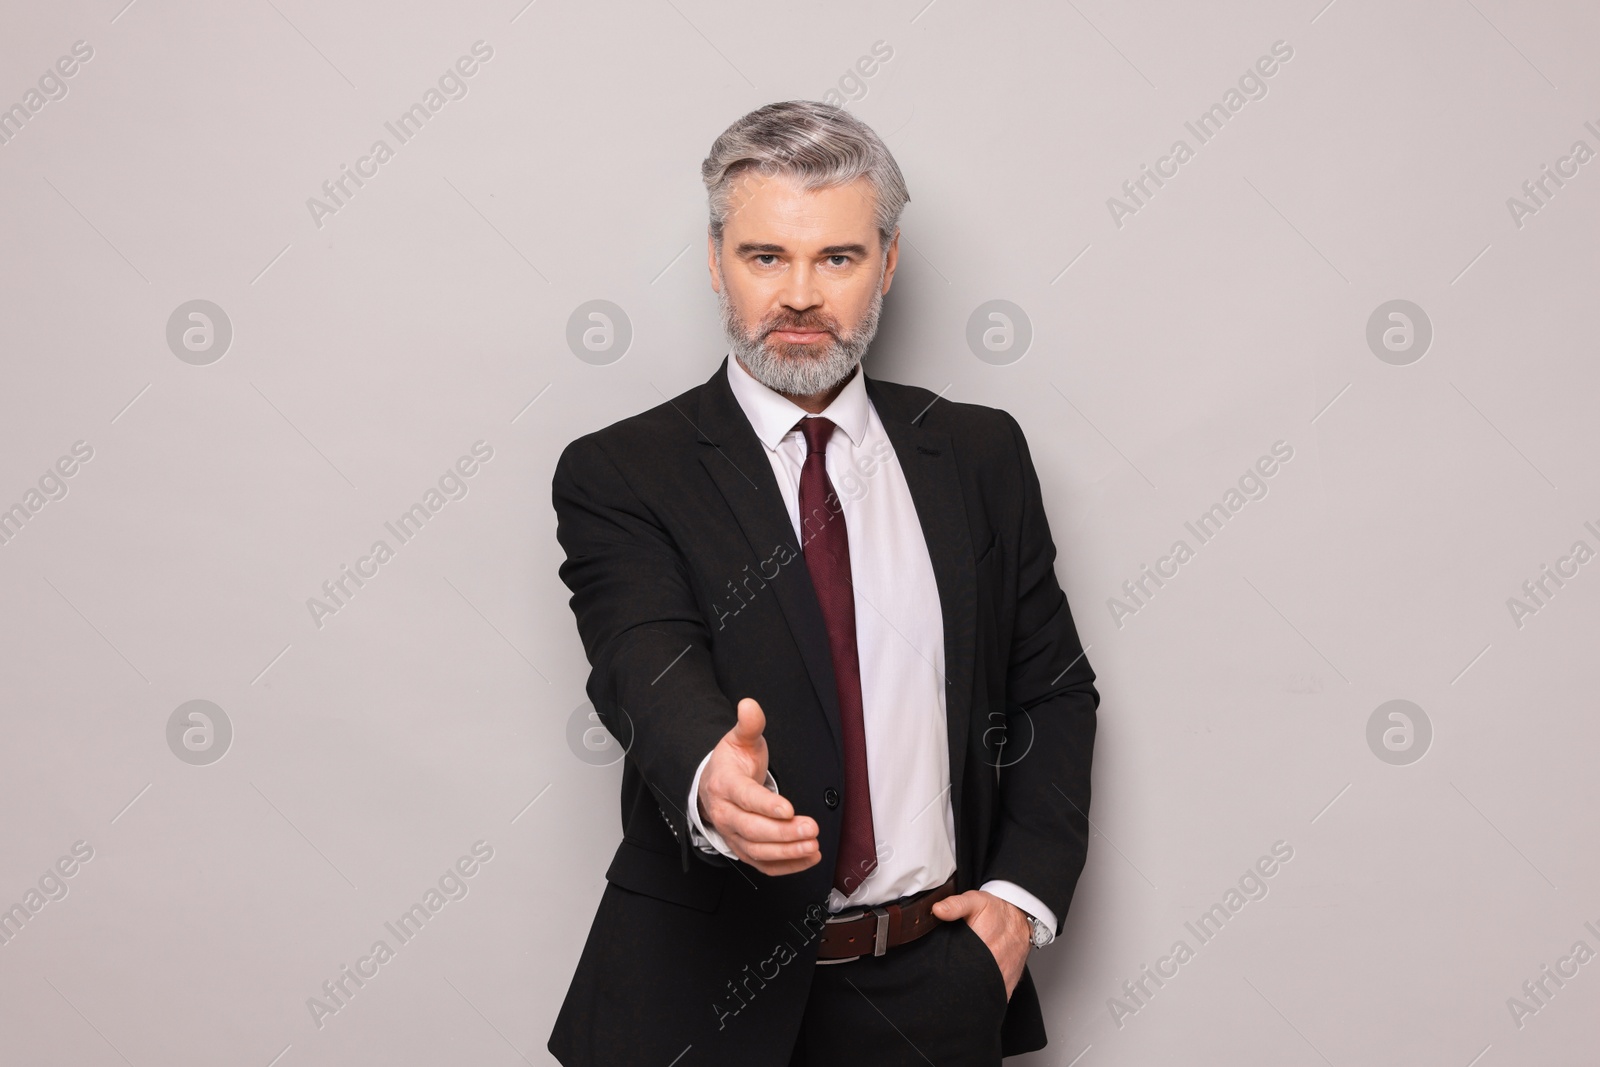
(937, 1000)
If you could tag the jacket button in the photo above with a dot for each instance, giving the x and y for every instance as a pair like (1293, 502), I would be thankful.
(830, 797)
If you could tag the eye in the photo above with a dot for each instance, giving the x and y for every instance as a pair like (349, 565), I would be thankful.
(840, 256)
(763, 256)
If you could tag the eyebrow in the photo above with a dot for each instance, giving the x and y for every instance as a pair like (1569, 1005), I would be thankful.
(768, 248)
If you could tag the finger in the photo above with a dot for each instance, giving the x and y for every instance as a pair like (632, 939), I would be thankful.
(753, 828)
(783, 867)
(747, 795)
(795, 855)
(774, 851)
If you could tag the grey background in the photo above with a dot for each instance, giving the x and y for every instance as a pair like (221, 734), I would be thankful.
(1167, 354)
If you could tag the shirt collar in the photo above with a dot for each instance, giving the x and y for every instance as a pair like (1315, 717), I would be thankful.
(772, 415)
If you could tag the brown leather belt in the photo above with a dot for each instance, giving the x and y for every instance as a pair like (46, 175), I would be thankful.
(873, 931)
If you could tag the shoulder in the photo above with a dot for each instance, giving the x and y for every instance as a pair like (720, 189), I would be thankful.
(656, 432)
(974, 429)
(632, 452)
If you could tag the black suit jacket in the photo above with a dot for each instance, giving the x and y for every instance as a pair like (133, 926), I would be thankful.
(691, 593)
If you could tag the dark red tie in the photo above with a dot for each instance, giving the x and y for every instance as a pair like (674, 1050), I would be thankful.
(827, 551)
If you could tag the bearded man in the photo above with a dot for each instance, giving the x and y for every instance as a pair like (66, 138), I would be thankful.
(823, 620)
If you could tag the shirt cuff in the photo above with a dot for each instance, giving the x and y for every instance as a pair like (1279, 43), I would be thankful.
(1012, 893)
(702, 836)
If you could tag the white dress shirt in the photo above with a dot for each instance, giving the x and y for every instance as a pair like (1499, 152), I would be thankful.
(899, 636)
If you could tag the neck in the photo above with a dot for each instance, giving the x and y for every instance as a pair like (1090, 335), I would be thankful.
(813, 403)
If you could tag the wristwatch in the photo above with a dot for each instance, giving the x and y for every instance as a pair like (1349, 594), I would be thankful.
(1042, 935)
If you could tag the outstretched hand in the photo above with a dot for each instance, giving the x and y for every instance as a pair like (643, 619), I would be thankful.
(760, 826)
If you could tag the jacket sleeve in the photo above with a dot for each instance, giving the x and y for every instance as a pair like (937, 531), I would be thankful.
(651, 677)
(1042, 836)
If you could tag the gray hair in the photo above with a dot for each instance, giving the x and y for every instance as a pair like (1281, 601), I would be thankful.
(821, 144)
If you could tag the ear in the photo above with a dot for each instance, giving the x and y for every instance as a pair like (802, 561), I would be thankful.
(891, 260)
(711, 262)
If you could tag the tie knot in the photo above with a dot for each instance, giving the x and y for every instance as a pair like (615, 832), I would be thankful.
(817, 430)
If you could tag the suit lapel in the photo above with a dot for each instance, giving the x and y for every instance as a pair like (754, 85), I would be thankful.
(737, 461)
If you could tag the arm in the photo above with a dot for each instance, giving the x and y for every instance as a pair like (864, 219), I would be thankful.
(1042, 837)
(651, 679)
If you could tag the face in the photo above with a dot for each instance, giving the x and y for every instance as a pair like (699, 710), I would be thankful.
(801, 280)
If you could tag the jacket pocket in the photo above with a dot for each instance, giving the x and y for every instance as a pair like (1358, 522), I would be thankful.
(994, 978)
(657, 874)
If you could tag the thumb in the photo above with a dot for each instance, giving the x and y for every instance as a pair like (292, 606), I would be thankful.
(752, 721)
(955, 907)
(746, 735)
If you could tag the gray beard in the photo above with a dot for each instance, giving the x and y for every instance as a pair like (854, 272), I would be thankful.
(794, 370)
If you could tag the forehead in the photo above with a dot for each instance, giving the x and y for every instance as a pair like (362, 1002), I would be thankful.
(778, 208)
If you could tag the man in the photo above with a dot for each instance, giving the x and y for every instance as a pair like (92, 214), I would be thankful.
(823, 620)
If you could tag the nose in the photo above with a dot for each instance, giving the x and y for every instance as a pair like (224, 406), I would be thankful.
(800, 292)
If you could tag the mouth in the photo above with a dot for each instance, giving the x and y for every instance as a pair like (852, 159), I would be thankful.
(799, 337)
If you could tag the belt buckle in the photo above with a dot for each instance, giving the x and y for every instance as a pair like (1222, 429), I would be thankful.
(880, 935)
(842, 917)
